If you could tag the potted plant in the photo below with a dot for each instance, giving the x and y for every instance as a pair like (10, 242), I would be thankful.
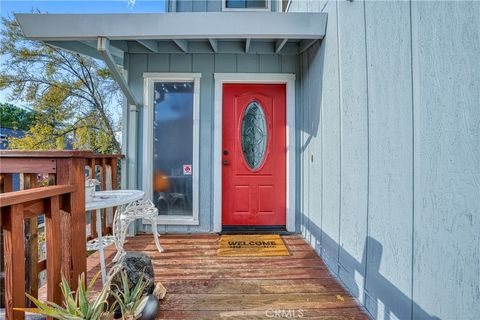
(132, 302)
(79, 305)
(76, 305)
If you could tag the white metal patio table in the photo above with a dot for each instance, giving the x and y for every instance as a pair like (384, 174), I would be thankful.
(109, 199)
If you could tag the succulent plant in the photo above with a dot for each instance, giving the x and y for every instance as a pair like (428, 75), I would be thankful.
(77, 305)
(131, 301)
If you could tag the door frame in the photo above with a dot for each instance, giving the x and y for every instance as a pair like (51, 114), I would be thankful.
(254, 78)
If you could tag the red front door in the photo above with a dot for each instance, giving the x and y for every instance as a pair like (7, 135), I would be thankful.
(254, 155)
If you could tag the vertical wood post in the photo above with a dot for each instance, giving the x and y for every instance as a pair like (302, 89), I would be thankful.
(7, 186)
(30, 183)
(53, 242)
(104, 187)
(93, 216)
(114, 164)
(14, 254)
(71, 171)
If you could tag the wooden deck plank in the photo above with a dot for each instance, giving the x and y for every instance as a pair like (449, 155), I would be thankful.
(245, 302)
(222, 286)
(324, 314)
(201, 285)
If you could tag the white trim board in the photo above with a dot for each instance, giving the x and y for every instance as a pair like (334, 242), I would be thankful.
(149, 80)
(261, 78)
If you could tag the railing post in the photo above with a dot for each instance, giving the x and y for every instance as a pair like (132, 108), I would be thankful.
(71, 171)
(7, 186)
(14, 254)
(30, 183)
(53, 242)
(104, 187)
(114, 173)
(93, 216)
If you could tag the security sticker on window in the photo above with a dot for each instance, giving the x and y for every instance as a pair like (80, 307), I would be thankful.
(187, 169)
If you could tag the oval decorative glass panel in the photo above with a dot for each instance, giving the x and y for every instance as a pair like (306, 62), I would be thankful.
(254, 135)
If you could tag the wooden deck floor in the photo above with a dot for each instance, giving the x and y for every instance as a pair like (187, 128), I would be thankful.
(202, 285)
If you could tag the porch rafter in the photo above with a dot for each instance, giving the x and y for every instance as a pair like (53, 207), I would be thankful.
(150, 45)
(279, 45)
(182, 44)
(247, 45)
(213, 44)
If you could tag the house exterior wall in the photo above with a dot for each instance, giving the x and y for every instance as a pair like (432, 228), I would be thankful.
(202, 5)
(207, 65)
(390, 154)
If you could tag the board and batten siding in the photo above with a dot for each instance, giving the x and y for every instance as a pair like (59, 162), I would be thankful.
(389, 148)
(202, 5)
(207, 65)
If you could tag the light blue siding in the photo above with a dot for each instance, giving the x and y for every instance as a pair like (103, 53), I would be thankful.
(446, 74)
(207, 65)
(389, 245)
(354, 143)
(204, 5)
(400, 151)
(330, 141)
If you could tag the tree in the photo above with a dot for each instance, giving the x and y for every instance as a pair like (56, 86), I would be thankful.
(15, 118)
(74, 97)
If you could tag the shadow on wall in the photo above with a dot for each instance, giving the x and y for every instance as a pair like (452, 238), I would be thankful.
(386, 294)
(311, 94)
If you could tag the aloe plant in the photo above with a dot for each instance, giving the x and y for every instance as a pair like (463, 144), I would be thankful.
(131, 301)
(77, 305)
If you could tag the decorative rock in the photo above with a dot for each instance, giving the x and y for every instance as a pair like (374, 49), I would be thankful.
(160, 291)
(134, 264)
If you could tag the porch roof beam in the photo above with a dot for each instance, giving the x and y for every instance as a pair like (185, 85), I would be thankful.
(79, 47)
(104, 50)
(115, 52)
(178, 25)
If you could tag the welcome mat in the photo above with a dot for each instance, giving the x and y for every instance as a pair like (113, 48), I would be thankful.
(249, 245)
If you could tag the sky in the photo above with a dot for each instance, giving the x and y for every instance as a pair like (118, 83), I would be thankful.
(8, 7)
(81, 6)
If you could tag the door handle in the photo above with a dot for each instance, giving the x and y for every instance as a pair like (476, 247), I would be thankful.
(225, 162)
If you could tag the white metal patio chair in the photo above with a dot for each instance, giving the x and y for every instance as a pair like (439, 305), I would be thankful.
(140, 209)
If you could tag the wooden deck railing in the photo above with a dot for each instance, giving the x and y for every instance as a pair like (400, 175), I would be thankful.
(50, 183)
(105, 169)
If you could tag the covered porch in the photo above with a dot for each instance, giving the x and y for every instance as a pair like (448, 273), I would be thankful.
(202, 285)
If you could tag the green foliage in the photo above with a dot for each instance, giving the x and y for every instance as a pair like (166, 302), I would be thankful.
(15, 118)
(77, 305)
(73, 97)
(131, 300)
(80, 305)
